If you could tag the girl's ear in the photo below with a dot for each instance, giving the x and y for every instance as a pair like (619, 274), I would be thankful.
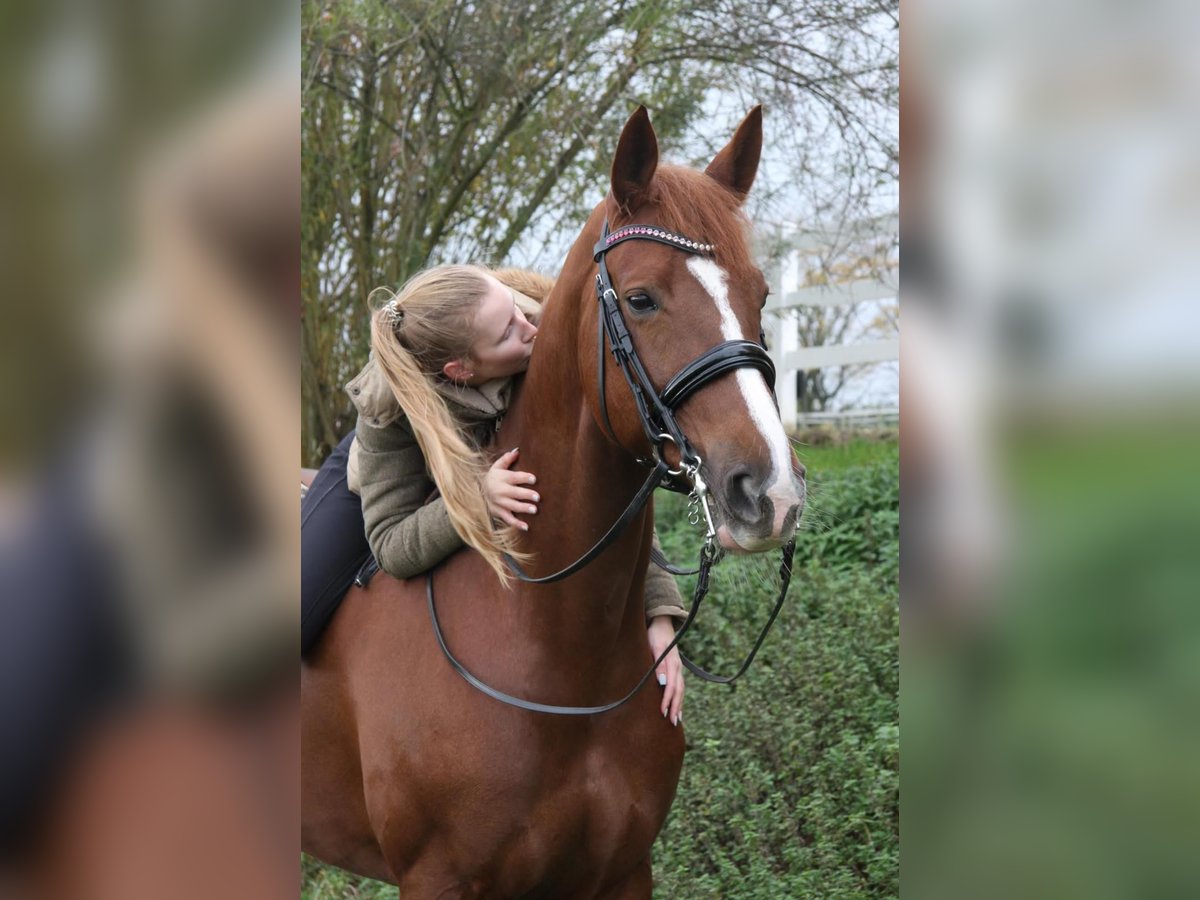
(457, 370)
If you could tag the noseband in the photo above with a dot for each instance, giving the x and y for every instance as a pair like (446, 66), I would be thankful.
(656, 410)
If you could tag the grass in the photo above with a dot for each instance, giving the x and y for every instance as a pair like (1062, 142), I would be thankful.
(790, 785)
(322, 882)
(830, 457)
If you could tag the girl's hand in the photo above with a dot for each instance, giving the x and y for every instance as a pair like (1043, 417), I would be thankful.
(505, 495)
(670, 670)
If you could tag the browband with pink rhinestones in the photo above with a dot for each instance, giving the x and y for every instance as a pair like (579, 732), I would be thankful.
(652, 233)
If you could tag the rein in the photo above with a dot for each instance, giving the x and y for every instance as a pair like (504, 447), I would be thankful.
(707, 556)
(657, 414)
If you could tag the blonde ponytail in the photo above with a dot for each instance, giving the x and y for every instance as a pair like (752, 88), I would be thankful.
(427, 323)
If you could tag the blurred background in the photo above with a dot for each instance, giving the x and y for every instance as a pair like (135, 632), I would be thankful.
(1051, 653)
(148, 562)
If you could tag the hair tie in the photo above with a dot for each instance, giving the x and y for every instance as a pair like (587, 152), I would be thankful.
(395, 314)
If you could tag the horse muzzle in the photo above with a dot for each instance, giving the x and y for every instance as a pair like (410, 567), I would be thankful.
(760, 512)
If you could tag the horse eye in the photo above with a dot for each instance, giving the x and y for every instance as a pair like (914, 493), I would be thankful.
(640, 303)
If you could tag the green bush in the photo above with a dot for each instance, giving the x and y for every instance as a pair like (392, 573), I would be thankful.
(790, 786)
(853, 519)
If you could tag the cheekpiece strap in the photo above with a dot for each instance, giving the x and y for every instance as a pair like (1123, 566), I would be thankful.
(648, 233)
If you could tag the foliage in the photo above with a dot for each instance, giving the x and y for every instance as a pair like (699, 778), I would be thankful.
(853, 518)
(827, 452)
(322, 882)
(791, 783)
(790, 786)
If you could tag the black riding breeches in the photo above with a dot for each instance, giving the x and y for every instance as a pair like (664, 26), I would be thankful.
(333, 545)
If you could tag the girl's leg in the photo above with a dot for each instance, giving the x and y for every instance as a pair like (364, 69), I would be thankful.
(333, 545)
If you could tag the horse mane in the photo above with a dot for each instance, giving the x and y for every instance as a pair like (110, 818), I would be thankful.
(694, 204)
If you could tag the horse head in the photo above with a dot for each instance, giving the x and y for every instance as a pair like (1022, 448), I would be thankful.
(687, 286)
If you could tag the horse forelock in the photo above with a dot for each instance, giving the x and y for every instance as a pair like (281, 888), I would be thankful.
(693, 204)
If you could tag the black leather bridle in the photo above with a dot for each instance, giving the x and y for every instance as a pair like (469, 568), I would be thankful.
(656, 410)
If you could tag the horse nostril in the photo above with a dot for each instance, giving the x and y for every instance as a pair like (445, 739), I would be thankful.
(743, 493)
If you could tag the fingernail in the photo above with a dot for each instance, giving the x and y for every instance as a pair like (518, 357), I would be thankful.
(536, 498)
(662, 680)
(677, 721)
(514, 450)
(532, 480)
(665, 711)
(524, 526)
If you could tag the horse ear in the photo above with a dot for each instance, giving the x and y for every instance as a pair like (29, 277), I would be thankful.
(737, 164)
(636, 160)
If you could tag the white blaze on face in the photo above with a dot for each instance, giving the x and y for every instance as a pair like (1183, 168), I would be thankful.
(754, 389)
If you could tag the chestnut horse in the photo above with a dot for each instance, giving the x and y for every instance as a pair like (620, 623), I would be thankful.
(412, 776)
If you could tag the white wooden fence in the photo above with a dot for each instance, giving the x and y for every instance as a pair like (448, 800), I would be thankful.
(803, 246)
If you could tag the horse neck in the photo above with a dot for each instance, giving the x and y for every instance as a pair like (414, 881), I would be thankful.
(585, 481)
